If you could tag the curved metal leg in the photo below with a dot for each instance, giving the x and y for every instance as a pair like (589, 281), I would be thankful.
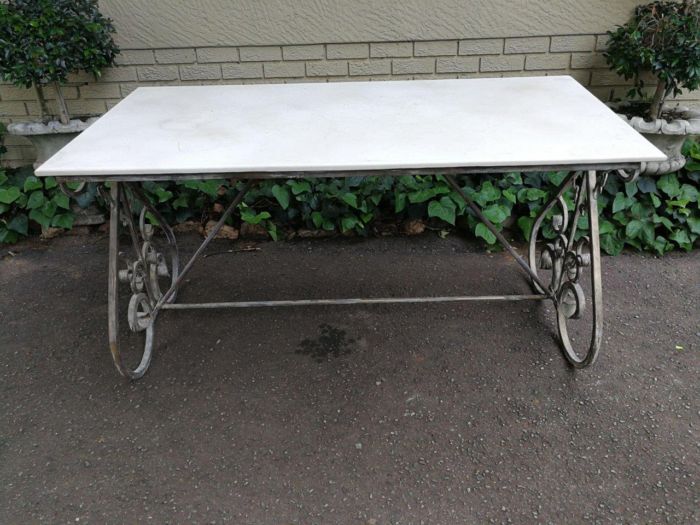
(567, 258)
(142, 274)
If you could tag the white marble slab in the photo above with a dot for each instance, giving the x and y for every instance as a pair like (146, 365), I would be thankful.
(352, 126)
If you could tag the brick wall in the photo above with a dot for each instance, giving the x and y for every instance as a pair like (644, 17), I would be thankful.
(577, 55)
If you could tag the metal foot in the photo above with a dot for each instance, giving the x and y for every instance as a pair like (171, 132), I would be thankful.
(569, 265)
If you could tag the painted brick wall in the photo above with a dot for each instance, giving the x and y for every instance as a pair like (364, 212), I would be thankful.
(577, 55)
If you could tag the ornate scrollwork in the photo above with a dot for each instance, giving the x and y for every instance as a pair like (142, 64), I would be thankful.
(568, 256)
(144, 272)
(565, 258)
(632, 176)
(152, 260)
(72, 193)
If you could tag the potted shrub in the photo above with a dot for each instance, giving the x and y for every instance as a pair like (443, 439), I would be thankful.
(41, 43)
(661, 43)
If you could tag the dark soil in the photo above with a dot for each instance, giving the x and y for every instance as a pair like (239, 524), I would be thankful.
(448, 413)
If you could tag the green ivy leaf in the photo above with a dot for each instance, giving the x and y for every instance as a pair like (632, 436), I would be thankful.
(633, 229)
(282, 195)
(620, 203)
(7, 236)
(647, 234)
(151, 218)
(646, 185)
(300, 186)
(496, 213)
(248, 215)
(483, 232)
(487, 193)
(422, 195)
(678, 203)
(443, 209)
(513, 178)
(317, 219)
(510, 195)
(662, 220)
(348, 223)
(669, 185)
(350, 199)
(611, 244)
(399, 202)
(209, 187)
(272, 231)
(32, 183)
(19, 224)
(631, 189)
(694, 223)
(557, 177)
(525, 224)
(606, 227)
(9, 195)
(180, 202)
(36, 200)
(688, 193)
(49, 208)
(62, 201)
(63, 220)
(37, 216)
(165, 195)
(680, 237)
(531, 194)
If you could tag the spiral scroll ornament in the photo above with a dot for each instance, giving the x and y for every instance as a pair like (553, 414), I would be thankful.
(148, 268)
(565, 261)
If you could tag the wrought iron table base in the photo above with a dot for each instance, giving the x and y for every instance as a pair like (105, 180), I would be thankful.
(565, 258)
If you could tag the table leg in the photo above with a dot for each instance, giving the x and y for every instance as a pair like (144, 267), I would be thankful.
(565, 258)
(144, 272)
(152, 272)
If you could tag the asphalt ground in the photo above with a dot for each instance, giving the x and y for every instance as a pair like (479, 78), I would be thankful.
(441, 413)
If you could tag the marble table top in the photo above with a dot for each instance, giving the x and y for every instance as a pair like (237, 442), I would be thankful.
(164, 132)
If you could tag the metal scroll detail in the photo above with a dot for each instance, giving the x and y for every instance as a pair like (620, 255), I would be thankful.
(628, 176)
(72, 193)
(567, 259)
(152, 262)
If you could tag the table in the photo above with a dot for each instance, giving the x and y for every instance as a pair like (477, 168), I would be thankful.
(441, 127)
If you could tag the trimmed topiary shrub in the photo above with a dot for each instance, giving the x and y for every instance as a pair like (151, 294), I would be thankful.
(43, 41)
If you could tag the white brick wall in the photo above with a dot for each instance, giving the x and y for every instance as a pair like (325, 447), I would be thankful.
(577, 55)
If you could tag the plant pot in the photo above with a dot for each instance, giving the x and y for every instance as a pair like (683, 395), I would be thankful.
(668, 136)
(50, 137)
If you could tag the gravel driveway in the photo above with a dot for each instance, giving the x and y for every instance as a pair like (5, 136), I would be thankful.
(448, 413)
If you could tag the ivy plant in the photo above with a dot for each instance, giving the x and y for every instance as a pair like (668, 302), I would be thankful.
(43, 41)
(653, 214)
(26, 199)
